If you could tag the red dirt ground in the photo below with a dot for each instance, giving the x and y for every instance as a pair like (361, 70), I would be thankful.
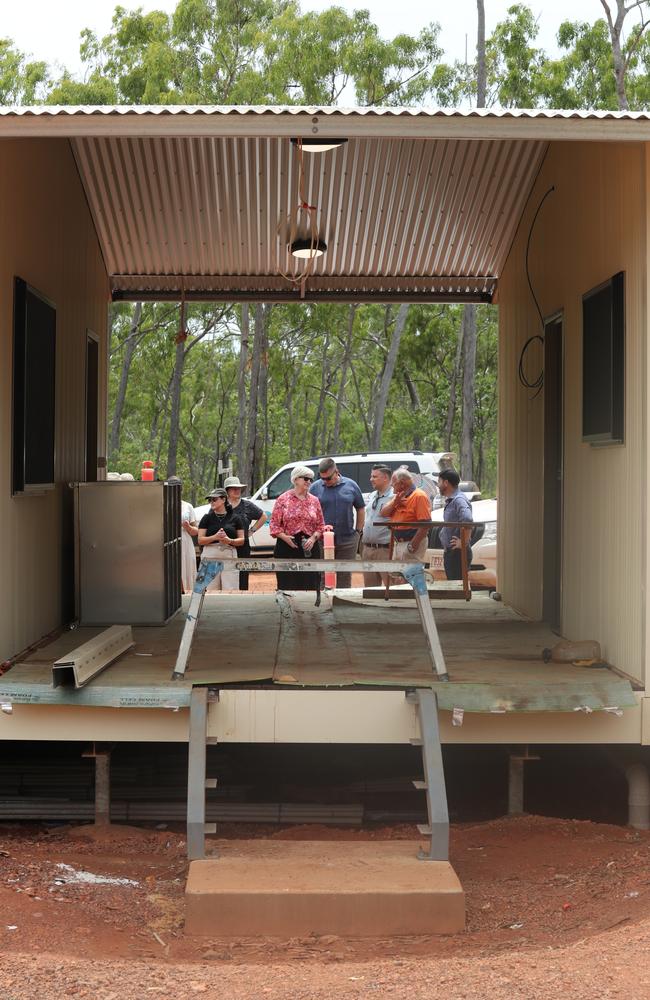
(555, 909)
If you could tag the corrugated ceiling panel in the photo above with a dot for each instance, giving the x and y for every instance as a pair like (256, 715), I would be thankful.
(390, 209)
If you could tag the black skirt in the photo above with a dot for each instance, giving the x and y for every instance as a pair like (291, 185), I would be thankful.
(292, 580)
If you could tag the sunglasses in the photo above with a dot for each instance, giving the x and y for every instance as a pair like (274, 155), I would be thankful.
(327, 478)
(308, 479)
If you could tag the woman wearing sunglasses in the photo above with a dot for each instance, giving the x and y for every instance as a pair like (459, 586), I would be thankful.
(221, 534)
(297, 526)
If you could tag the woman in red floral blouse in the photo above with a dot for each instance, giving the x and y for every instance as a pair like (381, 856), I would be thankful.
(297, 526)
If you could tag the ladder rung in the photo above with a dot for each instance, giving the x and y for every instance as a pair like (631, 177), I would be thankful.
(420, 785)
(424, 829)
(210, 782)
(210, 827)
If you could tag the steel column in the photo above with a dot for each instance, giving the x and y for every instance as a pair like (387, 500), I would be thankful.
(196, 774)
(434, 777)
(515, 786)
(102, 789)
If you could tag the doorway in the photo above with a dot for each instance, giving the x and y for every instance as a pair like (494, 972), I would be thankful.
(92, 402)
(553, 471)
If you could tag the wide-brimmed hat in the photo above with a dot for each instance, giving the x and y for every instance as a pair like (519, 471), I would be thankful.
(233, 481)
(219, 492)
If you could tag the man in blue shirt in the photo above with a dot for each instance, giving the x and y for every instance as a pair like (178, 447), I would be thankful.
(376, 539)
(340, 497)
(457, 508)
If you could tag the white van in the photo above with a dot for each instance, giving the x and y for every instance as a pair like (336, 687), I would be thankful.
(355, 467)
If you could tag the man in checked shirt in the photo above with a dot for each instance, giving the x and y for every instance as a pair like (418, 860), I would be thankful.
(457, 508)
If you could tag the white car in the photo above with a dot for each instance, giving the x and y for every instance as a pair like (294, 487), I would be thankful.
(483, 571)
(356, 467)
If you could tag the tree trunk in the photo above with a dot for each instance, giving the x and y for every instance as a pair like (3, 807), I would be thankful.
(317, 421)
(415, 406)
(253, 397)
(131, 341)
(347, 354)
(243, 470)
(387, 376)
(469, 312)
(262, 429)
(481, 70)
(615, 26)
(175, 408)
(469, 373)
(453, 389)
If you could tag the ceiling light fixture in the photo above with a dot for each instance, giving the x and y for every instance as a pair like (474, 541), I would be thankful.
(306, 249)
(318, 145)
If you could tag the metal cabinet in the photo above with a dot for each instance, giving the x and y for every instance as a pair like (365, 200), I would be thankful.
(127, 552)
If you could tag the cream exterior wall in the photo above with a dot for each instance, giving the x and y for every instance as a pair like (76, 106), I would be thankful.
(361, 717)
(593, 225)
(49, 240)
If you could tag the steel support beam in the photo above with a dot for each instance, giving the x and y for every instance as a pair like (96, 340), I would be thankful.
(434, 777)
(196, 774)
(102, 788)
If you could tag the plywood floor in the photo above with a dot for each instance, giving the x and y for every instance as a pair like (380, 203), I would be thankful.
(493, 654)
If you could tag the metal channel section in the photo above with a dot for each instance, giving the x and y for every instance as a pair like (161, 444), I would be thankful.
(413, 573)
(196, 780)
(434, 776)
(88, 660)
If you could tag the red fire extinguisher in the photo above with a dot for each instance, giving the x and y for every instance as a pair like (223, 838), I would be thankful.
(328, 552)
(146, 475)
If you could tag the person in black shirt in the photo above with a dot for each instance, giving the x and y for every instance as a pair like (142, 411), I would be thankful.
(221, 535)
(250, 512)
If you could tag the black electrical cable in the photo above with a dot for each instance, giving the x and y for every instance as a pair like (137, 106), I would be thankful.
(537, 383)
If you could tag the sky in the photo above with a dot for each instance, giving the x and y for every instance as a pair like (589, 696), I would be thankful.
(50, 31)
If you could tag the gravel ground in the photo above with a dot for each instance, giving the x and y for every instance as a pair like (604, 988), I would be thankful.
(554, 909)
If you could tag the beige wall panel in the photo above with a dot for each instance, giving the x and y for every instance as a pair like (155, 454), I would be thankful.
(317, 717)
(82, 724)
(49, 241)
(592, 226)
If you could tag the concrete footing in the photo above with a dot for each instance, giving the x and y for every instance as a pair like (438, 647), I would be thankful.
(290, 888)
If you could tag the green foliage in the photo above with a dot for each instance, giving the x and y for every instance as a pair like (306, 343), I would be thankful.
(21, 81)
(305, 363)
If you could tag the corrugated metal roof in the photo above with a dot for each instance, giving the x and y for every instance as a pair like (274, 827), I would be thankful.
(420, 203)
(210, 215)
(83, 110)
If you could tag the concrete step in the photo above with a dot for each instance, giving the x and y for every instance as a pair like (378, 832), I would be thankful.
(290, 888)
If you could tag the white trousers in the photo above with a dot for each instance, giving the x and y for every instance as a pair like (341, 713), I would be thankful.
(228, 579)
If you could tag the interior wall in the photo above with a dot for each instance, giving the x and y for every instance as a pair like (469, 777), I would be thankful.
(50, 241)
(593, 225)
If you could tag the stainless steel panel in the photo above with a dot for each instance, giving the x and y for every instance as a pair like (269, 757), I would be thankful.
(128, 542)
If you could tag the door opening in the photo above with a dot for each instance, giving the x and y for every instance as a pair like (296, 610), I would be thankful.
(92, 400)
(553, 471)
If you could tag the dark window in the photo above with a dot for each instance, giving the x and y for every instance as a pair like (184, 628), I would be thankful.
(603, 362)
(34, 364)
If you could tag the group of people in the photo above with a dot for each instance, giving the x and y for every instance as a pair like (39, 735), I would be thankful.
(223, 533)
(301, 514)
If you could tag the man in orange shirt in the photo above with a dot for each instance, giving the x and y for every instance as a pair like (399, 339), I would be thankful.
(408, 504)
